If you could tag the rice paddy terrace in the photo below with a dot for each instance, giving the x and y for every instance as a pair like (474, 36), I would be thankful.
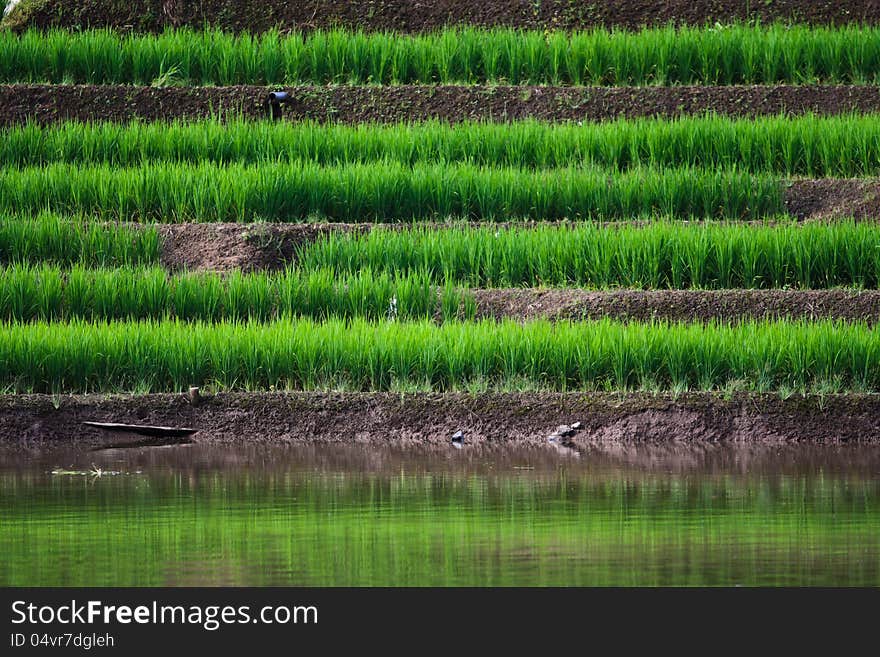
(658, 220)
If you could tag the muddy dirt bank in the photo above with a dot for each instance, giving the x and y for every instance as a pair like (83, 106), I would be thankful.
(229, 246)
(488, 420)
(417, 15)
(678, 305)
(831, 198)
(390, 104)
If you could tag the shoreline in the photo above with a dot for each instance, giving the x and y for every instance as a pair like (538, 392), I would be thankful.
(487, 420)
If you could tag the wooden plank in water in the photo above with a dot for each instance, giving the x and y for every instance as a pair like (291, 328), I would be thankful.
(144, 430)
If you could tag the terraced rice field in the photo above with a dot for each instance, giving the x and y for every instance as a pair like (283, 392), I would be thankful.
(472, 206)
(653, 222)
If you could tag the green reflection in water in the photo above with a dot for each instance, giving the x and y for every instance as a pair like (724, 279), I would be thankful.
(352, 529)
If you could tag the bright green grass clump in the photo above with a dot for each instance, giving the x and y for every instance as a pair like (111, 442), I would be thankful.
(302, 354)
(721, 55)
(49, 238)
(381, 191)
(49, 293)
(844, 146)
(657, 255)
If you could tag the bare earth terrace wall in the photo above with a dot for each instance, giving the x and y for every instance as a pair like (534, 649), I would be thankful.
(679, 305)
(418, 420)
(20, 103)
(425, 15)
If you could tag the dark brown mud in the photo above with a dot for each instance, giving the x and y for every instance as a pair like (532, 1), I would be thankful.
(419, 15)
(227, 247)
(518, 420)
(47, 104)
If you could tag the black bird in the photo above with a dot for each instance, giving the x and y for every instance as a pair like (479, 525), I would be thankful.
(458, 439)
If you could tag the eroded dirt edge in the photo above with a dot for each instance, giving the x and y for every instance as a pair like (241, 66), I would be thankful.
(486, 420)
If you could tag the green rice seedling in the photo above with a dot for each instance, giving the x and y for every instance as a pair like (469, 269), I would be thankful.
(50, 238)
(77, 296)
(362, 355)
(451, 306)
(152, 295)
(381, 191)
(415, 296)
(248, 296)
(837, 146)
(197, 297)
(310, 292)
(45, 292)
(19, 298)
(659, 255)
(114, 294)
(49, 295)
(737, 54)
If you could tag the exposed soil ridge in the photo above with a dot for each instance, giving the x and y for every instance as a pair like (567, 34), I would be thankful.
(419, 15)
(679, 305)
(47, 104)
(495, 420)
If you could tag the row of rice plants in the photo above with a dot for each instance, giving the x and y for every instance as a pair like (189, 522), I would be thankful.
(303, 354)
(381, 191)
(658, 255)
(663, 254)
(48, 293)
(844, 146)
(50, 238)
(737, 54)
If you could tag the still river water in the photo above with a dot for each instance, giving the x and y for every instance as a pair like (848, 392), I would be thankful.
(331, 516)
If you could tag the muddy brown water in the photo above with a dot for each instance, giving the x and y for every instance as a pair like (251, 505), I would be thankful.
(325, 515)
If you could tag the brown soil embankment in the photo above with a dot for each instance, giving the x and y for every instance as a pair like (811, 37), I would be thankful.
(487, 420)
(679, 305)
(48, 104)
(419, 16)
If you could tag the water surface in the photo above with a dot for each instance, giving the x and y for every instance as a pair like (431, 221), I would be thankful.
(331, 516)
